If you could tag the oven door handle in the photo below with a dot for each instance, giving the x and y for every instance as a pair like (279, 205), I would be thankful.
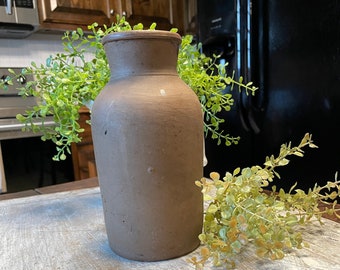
(9, 7)
(19, 126)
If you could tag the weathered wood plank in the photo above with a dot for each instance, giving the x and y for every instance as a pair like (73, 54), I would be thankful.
(66, 230)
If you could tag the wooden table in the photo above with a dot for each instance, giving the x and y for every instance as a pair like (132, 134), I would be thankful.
(65, 230)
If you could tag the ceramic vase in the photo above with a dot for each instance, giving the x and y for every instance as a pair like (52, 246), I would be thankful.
(147, 130)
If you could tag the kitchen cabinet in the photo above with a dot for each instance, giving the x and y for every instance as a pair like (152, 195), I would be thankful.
(3, 186)
(166, 13)
(84, 165)
(71, 14)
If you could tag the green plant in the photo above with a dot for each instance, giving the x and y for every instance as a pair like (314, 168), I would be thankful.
(241, 213)
(73, 78)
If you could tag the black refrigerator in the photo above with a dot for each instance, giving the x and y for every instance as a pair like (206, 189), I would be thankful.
(290, 49)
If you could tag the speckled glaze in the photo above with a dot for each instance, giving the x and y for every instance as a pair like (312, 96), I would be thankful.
(147, 130)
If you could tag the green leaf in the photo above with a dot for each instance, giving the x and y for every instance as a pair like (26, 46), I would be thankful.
(212, 209)
(283, 162)
(153, 26)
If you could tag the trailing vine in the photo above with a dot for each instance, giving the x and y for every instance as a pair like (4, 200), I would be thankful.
(71, 79)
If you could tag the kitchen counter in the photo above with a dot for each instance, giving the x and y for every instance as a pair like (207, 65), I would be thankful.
(80, 184)
(59, 229)
(74, 185)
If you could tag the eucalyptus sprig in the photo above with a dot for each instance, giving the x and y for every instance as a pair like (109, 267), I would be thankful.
(73, 78)
(239, 212)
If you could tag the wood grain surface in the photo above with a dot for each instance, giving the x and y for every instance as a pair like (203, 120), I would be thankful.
(66, 230)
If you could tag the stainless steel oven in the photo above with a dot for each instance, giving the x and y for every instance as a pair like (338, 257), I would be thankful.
(12, 104)
(18, 18)
(12, 138)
